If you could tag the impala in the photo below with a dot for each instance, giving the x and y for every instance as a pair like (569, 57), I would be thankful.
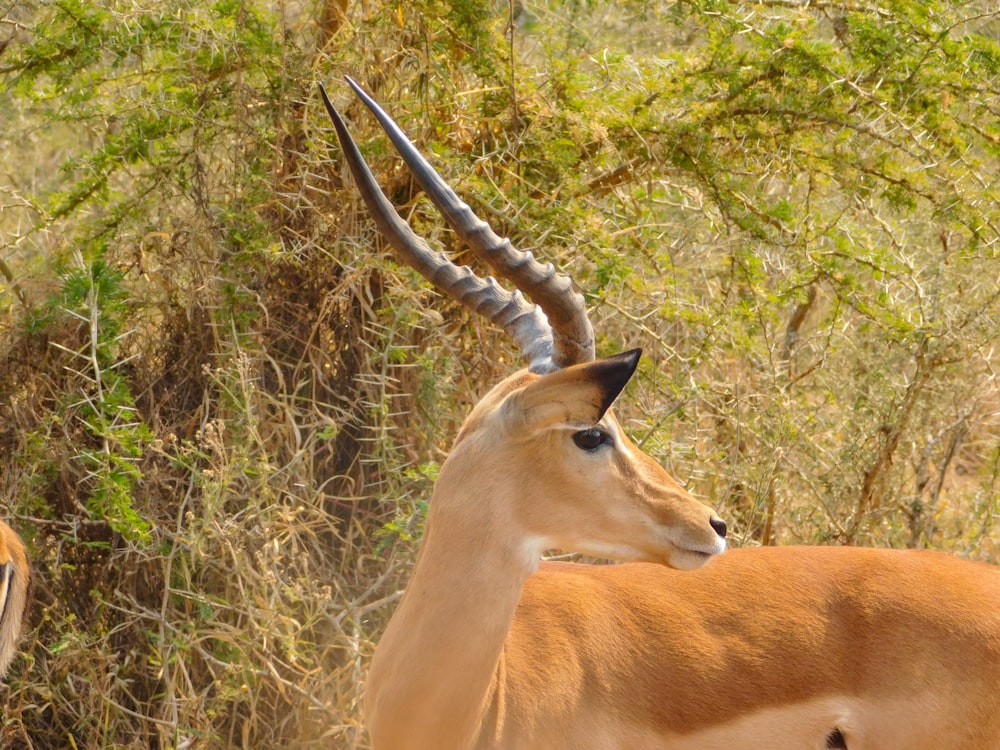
(680, 647)
(14, 579)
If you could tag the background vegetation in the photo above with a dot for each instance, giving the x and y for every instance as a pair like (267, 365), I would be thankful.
(222, 405)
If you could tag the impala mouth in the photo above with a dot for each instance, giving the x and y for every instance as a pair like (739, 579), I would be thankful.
(691, 558)
(671, 554)
(688, 559)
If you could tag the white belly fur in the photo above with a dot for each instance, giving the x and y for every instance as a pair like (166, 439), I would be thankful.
(914, 723)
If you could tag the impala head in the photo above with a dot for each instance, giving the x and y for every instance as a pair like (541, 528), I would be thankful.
(543, 442)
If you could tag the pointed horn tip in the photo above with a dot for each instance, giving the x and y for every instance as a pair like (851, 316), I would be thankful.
(363, 95)
(330, 109)
(351, 82)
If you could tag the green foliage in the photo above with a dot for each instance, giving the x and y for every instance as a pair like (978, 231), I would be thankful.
(142, 90)
(93, 297)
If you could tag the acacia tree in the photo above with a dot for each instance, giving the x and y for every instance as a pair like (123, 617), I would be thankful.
(222, 406)
(811, 196)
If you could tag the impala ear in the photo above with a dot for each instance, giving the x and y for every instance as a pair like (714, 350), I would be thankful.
(576, 396)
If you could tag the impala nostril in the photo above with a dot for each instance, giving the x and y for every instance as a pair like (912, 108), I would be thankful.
(719, 525)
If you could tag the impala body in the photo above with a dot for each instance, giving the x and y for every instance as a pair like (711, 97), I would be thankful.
(781, 647)
(680, 648)
(15, 578)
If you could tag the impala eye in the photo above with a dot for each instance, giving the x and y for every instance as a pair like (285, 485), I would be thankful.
(592, 439)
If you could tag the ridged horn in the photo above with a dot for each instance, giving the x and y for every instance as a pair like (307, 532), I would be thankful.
(572, 334)
(523, 322)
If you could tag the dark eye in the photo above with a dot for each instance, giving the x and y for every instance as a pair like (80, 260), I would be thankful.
(592, 439)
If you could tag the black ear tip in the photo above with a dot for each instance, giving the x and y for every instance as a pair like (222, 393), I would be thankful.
(614, 373)
(625, 363)
(633, 356)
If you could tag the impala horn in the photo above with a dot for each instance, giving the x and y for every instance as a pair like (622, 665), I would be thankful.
(554, 334)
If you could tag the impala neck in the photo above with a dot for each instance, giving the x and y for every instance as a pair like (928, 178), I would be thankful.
(432, 677)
